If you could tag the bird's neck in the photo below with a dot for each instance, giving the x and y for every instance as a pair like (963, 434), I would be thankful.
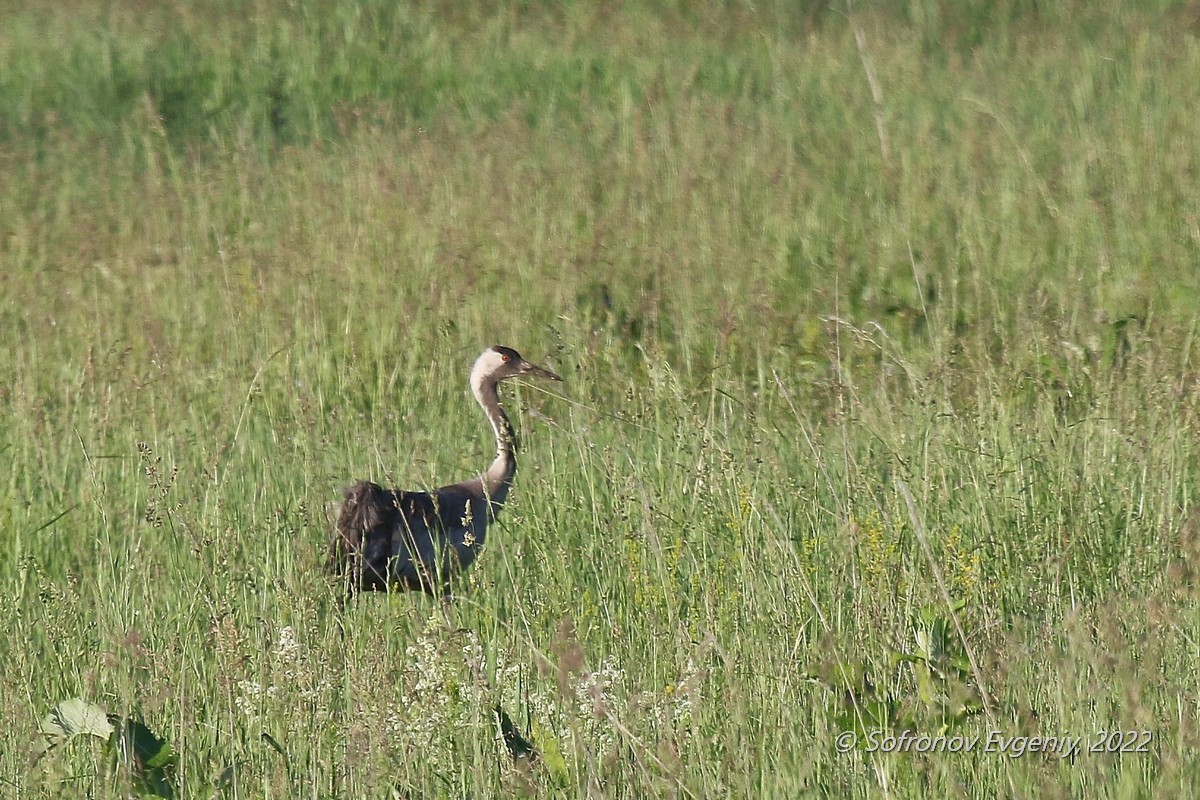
(498, 478)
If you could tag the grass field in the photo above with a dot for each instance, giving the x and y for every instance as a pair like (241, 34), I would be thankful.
(878, 325)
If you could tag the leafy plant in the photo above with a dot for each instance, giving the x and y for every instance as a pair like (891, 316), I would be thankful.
(942, 693)
(942, 673)
(130, 746)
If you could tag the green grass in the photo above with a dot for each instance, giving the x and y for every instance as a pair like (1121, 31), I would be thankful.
(249, 254)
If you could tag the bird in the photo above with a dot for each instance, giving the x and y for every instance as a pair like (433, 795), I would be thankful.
(398, 540)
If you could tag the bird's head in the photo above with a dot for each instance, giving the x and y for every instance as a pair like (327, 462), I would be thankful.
(499, 363)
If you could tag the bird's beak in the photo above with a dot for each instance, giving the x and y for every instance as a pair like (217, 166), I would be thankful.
(534, 371)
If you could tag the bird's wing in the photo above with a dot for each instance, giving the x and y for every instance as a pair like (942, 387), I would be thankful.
(464, 516)
(385, 537)
(415, 533)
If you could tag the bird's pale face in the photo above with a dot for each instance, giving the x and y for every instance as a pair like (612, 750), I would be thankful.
(501, 363)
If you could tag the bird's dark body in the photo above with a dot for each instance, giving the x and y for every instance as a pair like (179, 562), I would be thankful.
(393, 539)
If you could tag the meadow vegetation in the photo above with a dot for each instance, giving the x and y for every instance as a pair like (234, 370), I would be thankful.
(880, 411)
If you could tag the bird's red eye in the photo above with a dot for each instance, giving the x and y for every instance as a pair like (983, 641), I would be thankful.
(504, 357)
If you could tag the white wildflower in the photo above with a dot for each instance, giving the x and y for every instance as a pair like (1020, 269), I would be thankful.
(251, 696)
(287, 649)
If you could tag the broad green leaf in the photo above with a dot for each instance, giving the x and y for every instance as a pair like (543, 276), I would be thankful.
(149, 751)
(551, 752)
(148, 757)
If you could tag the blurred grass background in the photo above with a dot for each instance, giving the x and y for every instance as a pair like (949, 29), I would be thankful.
(789, 256)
